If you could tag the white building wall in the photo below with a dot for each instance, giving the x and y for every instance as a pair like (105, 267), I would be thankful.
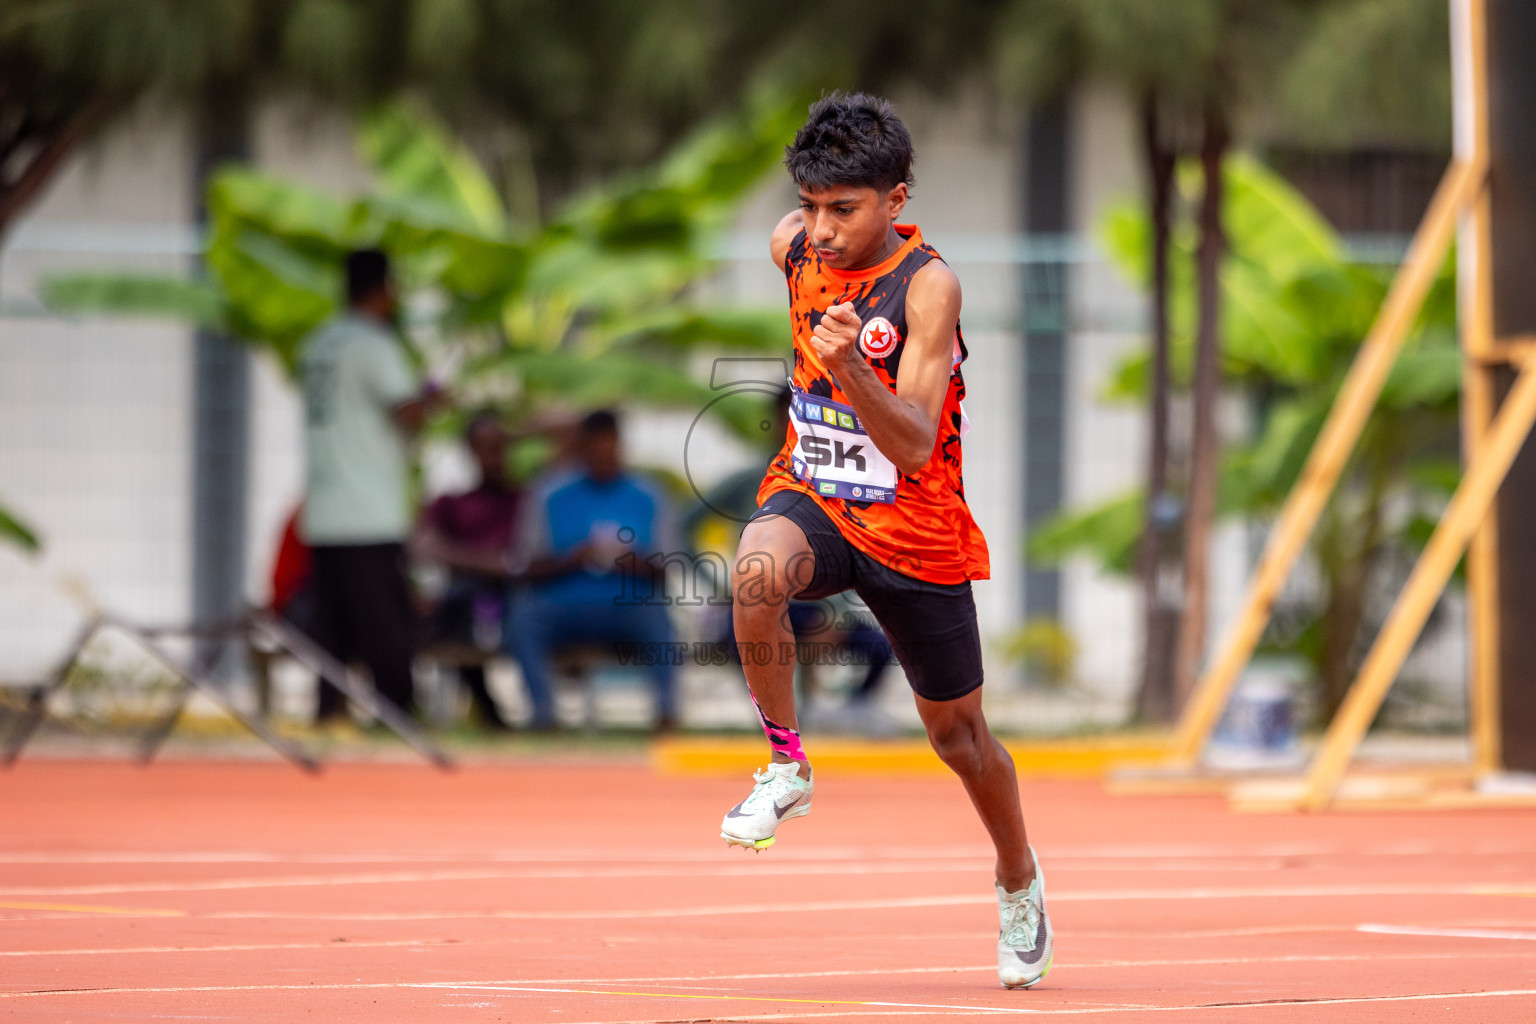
(1106, 443)
(968, 201)
(95, 415)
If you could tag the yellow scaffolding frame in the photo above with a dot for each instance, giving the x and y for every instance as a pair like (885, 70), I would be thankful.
(1490, 444)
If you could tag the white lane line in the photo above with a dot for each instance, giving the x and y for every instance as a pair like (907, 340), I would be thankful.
(1229, 933)
(599, 855)
(613, 914)
(795, 1018)
(417, 877)
(708, 997)
(484, 875)
(543, 855)
(1112, 895)
(178, 989)
(1077, 1011)
(263, 882)
(1345, 1000)
(340, 944)
(964, 899)
(1065, 1011)
(1294, 958)
(905, 971)
(441, 986)
(1073, 965)
(1445, 933)
(1069, 965)
(800, 868)
(1037, 1011)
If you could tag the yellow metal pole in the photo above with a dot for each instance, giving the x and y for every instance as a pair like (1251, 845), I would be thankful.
(1462, 516)
(1482, 584)
(1469, 22)
(1356, 398)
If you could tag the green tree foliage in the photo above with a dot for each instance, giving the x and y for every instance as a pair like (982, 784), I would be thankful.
(1201, 71)
(1295, 310)
(1371, 72)
(1318, 71)
(69, 67)
(593, 307)
(560, 93)
(1193, 70)
(592, 87)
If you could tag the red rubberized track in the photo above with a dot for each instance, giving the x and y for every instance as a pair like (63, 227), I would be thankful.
(541, 892)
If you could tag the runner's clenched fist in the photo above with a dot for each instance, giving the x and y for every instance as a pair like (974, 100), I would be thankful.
(836, 338)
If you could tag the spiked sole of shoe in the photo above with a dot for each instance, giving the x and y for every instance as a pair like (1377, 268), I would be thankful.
(1030, 984)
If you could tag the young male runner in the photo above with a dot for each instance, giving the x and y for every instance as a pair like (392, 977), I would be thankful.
(866, 492)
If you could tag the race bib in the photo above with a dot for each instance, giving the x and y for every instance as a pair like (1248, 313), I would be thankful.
(834, 455)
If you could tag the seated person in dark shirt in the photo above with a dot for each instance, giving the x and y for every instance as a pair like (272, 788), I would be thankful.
(470, 533)
(583, 542)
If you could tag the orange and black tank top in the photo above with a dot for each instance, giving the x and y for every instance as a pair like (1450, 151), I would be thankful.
(927, 530)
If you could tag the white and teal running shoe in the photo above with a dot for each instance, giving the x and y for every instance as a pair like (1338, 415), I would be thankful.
(780, 794)
(1024, 933)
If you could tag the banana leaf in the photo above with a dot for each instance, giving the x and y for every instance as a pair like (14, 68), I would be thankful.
(603, 287)
(171, 298)
(420, 168)
(1108, 532)
(619, 379)
(683, 328)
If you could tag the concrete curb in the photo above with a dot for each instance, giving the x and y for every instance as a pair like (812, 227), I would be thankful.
(1090, 757)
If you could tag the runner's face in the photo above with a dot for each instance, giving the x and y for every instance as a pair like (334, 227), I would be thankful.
(849, 226)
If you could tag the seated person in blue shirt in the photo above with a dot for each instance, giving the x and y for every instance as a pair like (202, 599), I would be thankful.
(581, 554)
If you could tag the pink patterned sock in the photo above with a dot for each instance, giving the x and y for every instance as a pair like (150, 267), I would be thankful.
(782, 739)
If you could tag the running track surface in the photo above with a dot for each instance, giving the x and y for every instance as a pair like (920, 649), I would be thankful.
(600, 893)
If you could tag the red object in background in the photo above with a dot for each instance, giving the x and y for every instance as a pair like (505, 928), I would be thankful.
(294, 562)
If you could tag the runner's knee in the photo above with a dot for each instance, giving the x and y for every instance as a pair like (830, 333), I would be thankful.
(772, 564)
(961, 743)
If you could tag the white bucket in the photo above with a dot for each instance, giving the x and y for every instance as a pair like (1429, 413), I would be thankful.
(1258, 729)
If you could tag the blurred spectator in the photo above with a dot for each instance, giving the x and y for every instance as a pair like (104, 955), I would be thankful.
(362, 404)
(471, 533)
(582, 549)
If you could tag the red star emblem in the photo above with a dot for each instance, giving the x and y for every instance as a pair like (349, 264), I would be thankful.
(878, 338)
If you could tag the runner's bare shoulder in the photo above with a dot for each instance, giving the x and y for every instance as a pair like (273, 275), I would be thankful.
(933, 297)
(784, 236)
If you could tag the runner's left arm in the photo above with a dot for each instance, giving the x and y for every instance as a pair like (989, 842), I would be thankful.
(903, 424)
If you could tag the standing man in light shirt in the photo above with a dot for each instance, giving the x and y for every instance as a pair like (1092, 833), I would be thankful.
(363, 402)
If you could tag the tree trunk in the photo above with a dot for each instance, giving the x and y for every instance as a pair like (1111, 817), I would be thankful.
(1201, 515)
(50, 149)
(1343, 611)
(1349, 564)
(1155, 703)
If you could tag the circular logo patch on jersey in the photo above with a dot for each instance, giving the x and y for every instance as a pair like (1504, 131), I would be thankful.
(858, 492)
(878, 338)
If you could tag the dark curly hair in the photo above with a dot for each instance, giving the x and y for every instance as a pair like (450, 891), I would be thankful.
(851, 140)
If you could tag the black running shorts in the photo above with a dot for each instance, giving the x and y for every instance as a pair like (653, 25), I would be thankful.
(931, 626)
